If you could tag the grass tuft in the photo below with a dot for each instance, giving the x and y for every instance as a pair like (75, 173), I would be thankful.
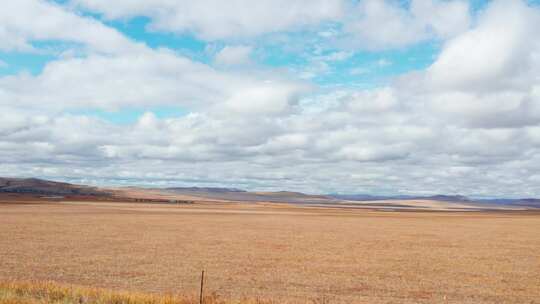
(52, 293)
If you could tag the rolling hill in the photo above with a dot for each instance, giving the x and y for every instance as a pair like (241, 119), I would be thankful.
(40, 187)
(34, 186)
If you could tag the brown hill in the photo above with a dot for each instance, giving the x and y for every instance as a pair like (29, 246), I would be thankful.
(245, 196)
(36, 186)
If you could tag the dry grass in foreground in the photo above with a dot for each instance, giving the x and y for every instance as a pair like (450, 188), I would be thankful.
(278, 252)
(49, 292)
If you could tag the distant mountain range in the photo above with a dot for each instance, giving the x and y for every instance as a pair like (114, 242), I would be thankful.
(245, 196)
(34, 186)
(526, 202)
(367, 197)
(302, 198)
(205, 189)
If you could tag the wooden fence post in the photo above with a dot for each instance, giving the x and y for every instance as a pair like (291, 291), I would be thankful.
(202, 286)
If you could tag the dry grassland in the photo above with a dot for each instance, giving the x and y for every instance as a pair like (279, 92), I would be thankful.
(283, 253)
(49, 292)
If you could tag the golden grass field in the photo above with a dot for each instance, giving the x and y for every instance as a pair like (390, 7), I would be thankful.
(49, 292)
(282, 253)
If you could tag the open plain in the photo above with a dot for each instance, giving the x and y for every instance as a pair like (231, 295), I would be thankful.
(276, 251)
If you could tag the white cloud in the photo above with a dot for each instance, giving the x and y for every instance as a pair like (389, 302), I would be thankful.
(371, 153)
(3, 64)
(368, 24)
(26, 21)
(500, 109)
(495, 53)
(144, 79)
(266, 99)
(442, 18)
(233, 55)
(214, 19)
(382, 24)
(378, 100)
(487, 77)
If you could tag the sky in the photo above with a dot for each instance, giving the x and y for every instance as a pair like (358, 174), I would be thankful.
(385, 97)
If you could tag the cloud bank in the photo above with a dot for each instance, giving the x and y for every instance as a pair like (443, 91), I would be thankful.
(467, 123)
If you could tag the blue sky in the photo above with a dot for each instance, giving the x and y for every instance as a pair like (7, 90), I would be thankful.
(323, 96)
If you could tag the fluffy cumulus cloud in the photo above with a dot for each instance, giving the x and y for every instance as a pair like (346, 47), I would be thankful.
(214, 19)
(27, 21)
(138, 79)
(234, 55)
(488, 76)
(370, 24)
(469, 123)
(381, 24)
